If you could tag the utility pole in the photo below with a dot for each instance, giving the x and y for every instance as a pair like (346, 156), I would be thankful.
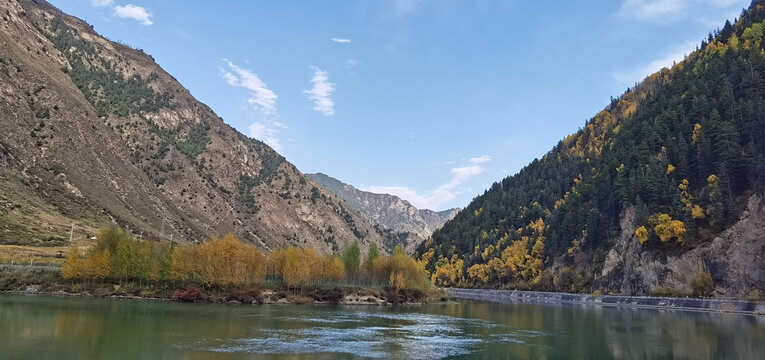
(162, 232)
(140, 237)
(71, 233)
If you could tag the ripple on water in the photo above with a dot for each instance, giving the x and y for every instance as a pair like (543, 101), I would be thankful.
(369, 335)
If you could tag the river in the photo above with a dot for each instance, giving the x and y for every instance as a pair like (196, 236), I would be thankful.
(43, 327)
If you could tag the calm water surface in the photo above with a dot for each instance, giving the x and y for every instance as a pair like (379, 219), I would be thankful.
(73, 328)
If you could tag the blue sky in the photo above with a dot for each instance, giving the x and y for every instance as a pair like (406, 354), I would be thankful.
(431, 100)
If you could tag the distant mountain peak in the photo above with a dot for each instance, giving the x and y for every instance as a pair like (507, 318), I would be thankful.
(387, 210)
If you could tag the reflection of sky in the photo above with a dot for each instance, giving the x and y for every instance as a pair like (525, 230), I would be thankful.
(79, 328)
(371, 335)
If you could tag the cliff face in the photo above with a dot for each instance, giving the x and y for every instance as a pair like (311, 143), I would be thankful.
(735, 259)
(387, 210)
(94, 132)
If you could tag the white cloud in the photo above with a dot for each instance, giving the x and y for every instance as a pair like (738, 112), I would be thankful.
(134, 12)
(640, 73)
(442, 194)
(321, 91)
(480, 159)
(341, 40)
(262, 99)
(260, 96)
(100, 3)
(267, 134)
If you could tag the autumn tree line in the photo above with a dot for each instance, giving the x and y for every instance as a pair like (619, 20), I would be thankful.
(227, 262)
(682, 151)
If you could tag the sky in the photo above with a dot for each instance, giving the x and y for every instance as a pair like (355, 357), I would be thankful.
(430, 100)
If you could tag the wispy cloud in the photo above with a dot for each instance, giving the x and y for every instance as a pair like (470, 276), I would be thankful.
(134, 12)
(480, 159)
(444, 193)
(264, 132)
(262, 99)
(321, 92)
(100, 3)
(676, 55)
(260, 95)
(341, 40)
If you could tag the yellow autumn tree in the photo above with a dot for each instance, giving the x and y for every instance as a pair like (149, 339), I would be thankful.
(183, 263)
(227, 261)
(667, 229)
(406, 273)
(333, 269)
(449, 273)
(642, 235)
(74, 267)
(514, 256)
(97, 265)
(480, 272)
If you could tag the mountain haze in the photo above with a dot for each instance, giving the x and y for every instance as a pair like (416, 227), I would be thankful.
(95, 132)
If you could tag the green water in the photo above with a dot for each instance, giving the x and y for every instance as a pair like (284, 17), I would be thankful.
(74, 328)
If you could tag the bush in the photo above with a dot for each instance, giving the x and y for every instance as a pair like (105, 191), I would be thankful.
(753, 296)
(664, 291)
(597, 293)
(189, 294)
(702, 284)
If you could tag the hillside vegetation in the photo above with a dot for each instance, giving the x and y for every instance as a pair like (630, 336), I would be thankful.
(671, 163)
(94, 132)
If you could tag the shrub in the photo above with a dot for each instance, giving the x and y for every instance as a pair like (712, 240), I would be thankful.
(702, 284)
(753, 296)
(664, 291)
(189, 294)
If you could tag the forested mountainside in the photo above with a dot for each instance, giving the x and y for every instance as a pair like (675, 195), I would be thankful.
(388, 211)
(661, 192)
(95, 132)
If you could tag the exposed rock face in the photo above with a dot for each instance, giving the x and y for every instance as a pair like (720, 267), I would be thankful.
(387, 210)
(735, 259)
(93, 132)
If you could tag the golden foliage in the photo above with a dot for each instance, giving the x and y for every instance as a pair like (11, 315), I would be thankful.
(642, 235)
(697, 212)
(696, 133)
(667, 229)
(73, 266)
(479, 272)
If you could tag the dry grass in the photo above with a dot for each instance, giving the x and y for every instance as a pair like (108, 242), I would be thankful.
(37, 255)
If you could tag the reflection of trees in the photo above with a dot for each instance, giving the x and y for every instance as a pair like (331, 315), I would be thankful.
(620, 333)
(98, 328)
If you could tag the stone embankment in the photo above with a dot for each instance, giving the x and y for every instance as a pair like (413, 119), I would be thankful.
(538, 297)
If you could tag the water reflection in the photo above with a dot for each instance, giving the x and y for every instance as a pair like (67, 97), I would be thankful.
(74, 328)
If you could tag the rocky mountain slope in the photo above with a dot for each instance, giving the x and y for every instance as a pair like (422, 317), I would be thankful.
(95, 132)
(661, 192)
(387, 210)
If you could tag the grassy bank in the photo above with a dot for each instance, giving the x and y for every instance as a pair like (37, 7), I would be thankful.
(48, 280)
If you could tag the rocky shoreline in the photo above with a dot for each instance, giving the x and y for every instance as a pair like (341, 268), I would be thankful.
(651, 302)
(24, 280)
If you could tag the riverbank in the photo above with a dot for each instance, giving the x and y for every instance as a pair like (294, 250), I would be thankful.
(651, 302)
(47, 280)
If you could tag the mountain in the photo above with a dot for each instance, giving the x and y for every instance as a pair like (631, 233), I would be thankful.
(661, 192)
(387, 210)
(95, 132)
